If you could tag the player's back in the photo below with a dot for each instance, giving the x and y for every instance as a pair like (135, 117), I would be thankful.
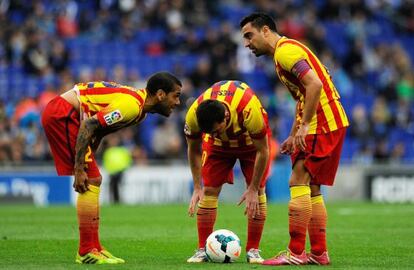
(94, 96)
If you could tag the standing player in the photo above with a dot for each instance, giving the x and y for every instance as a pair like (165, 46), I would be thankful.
(316, 138)
(76, 121)
(226, 123)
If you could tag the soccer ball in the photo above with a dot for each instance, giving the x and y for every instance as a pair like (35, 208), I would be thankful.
(223, 246)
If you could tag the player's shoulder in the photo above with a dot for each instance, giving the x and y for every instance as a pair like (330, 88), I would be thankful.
(192, 109)
(287, 45)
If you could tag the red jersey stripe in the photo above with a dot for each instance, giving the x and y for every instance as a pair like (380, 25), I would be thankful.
(200, 99)
(247, 96)
(232, 88)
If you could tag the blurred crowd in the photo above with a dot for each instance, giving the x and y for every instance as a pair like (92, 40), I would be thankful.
(48, 46)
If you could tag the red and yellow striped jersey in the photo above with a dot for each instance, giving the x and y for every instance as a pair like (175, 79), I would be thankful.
(330, 114)
(114, 105)
(248, 119)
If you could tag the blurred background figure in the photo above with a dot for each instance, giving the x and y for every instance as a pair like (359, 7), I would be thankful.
(116, 159)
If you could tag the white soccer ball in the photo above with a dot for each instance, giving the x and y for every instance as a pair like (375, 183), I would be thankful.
(223, 246)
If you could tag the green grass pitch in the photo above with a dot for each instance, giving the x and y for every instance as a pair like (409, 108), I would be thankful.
(360, 236)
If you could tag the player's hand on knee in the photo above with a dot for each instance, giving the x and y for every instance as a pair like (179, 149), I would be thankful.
(195, 198)
(252, 203)
(81, 181)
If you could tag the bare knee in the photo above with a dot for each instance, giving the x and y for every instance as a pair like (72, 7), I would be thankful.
(95, 181)
(315, 190)
(262, 191)
(211, 191)
(300, 176)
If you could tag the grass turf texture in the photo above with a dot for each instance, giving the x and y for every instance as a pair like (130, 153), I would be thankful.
(360, 236)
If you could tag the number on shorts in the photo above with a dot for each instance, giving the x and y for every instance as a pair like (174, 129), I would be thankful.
(88, 157)
(203, 158)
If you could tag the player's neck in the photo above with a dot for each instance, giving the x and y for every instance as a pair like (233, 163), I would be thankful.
(271, 42)
(149, 103)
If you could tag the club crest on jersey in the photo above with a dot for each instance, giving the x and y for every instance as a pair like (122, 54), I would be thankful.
(113, 117)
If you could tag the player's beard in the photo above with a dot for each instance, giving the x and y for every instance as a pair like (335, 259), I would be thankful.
(162, 108)
(257, 52)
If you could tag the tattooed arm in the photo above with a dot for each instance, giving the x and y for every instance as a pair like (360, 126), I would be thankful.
(96, 141)
(87, 131)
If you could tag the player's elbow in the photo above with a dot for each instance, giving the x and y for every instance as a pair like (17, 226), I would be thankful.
(314, 88)
(317, 85)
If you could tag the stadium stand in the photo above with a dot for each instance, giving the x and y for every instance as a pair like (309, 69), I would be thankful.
(47, 46)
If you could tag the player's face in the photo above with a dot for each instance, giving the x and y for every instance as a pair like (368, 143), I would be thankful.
(169, 102)
(218, 128)
(253, 39)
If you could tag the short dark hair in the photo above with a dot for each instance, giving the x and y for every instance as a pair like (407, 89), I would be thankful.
(162, 80)
(258, 20)
(208, 113)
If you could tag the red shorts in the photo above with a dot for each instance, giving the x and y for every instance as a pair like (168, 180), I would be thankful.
(61, 123)
(321, 156)
(218, 163)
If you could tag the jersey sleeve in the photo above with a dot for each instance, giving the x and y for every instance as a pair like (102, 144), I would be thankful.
(253, 119)
(191, 128)
(288, 55)
(122, 110)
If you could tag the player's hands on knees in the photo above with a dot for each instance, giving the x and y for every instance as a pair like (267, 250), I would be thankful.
(81, 181)
(195, 198)
(287, 146)
(252, 202)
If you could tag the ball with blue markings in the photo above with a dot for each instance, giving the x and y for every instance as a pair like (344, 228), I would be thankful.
(223, 246)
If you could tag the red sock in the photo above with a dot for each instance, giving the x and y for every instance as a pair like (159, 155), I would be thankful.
(300, 211)
(206, 217)
(96, 242)
(256, 224)
(88, 219)
(317, 226)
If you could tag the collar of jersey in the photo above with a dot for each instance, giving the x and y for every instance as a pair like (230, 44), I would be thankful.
(282, 38)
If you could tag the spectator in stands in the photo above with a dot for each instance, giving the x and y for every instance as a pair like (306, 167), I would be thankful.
(380, 117)
(360, 129)
(30, 62)
(35, 58)
(381, 151)
(59, 56)
(166, 141)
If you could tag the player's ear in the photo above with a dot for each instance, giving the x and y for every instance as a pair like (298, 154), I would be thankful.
(160, 94)
(266, 30)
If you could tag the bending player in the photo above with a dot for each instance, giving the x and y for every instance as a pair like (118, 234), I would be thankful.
(225, 124)
(75, 123)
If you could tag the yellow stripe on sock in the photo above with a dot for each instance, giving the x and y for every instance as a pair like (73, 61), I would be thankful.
(317, 199)
(262, 198)
(297, 191)
(208, 202)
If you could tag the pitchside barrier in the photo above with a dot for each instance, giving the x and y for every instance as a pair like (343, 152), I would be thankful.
(173, 184)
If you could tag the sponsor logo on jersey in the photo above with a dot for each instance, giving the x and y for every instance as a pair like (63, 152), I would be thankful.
(187, 130)
(113, 117)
